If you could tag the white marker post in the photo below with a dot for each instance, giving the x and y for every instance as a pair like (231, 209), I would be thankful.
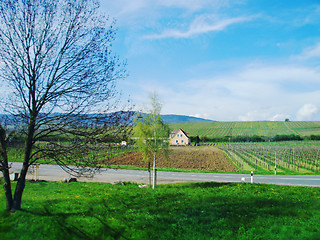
(251, 176)
(275, 164)
(35, 171)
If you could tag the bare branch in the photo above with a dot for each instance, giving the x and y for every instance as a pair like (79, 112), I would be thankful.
(58, 61)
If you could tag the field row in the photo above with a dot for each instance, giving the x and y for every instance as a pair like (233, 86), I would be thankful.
(286, 157)
(259, 128)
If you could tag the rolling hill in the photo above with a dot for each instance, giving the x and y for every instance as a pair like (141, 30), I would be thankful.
(255, 128)
(172, 118)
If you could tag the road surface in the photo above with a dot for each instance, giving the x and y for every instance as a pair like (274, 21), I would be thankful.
(55, 173)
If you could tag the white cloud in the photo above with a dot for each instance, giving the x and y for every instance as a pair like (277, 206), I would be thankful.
(202, 24)
(306, 112)
(146, 12)
(280, 117)
(280, 73)
(249, 94)
(263, 115)
(310, 52)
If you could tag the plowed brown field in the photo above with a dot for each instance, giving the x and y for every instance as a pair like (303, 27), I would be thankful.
(200, 158)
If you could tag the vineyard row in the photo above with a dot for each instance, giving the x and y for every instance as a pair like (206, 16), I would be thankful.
(301, 159)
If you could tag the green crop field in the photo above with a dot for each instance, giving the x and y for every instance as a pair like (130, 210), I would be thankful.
(258, 128)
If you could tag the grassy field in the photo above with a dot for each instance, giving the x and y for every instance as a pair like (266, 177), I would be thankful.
(15, 153)
(259, 128)
(56, 210)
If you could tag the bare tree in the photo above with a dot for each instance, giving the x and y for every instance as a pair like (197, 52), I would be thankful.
(60, 72)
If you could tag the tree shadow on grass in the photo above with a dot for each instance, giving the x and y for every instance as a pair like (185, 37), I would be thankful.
(193, 185)
(232, 210)
(77, 224)
(211, 184)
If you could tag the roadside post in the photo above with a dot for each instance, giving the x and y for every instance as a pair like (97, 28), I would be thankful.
(35, 171)
(251, 176)
(275, 164)
(155, 176)
(149, 170)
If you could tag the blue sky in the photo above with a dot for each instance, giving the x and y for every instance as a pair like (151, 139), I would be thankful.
(240, 60)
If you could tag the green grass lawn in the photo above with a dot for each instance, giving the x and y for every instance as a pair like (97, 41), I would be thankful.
(58, 210)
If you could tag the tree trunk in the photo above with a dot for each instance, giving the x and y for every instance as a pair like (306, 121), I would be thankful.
(20, 187)
(5, 169)
(7, 189)
(23, 173)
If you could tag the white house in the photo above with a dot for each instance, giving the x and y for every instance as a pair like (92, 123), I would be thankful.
(179, 137)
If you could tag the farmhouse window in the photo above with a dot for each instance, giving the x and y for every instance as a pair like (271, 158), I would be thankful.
(181, 141)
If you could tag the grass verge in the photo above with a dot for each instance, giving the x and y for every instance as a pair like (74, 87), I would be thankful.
(58, 210)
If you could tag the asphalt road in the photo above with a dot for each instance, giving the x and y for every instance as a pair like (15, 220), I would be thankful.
(55, 173)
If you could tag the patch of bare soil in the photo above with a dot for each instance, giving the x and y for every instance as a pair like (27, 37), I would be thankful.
(200, 158)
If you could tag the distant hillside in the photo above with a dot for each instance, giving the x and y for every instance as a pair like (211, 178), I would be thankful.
(170, 118)
(182, 119)
(257, 128)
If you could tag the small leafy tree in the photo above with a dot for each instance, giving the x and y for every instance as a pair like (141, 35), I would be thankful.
(152, 134)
